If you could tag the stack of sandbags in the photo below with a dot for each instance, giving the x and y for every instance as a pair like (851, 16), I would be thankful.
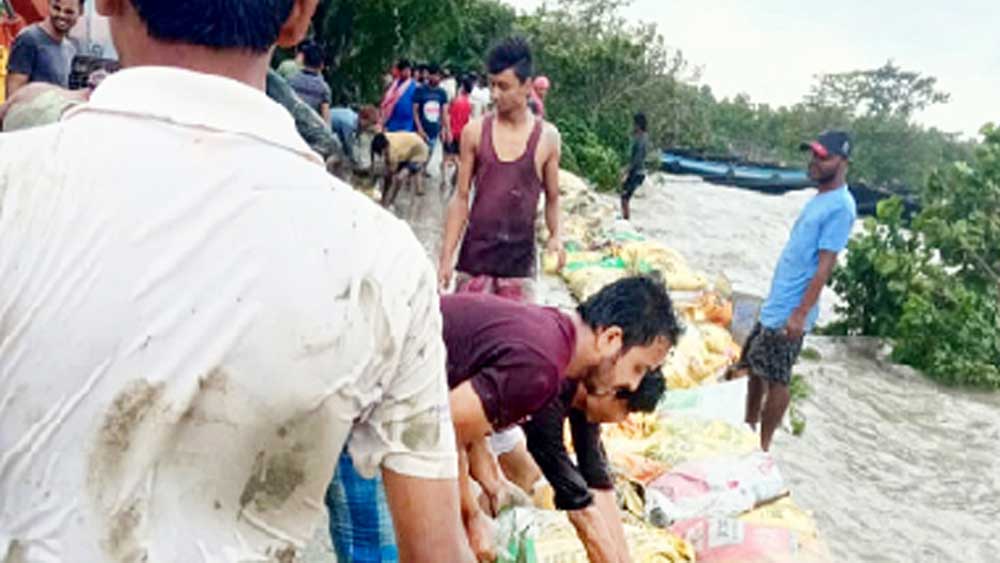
(650, 256)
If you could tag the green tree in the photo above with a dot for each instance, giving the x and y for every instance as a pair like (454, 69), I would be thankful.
(885, 91)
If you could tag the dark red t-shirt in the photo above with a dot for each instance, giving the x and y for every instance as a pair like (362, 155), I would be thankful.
(514, 354)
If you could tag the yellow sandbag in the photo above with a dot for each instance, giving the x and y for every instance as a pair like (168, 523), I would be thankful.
(570, 183)
(684, 280)
(585, 282)
(681, 439)
(783, 513)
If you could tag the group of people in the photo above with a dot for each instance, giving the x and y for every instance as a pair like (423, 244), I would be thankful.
(427, 106)
(199, 325)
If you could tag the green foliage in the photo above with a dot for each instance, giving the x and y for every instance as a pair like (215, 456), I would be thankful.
(604, 69)
(933, 289)
(950, 332)
(882, 267)
(882, 92)
(810, 354)
(799, 390)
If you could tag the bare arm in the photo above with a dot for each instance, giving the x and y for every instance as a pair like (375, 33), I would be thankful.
(324, 110)
(606, 505)
(419, 122)
(426, 535)
(550, 175)
(15, 81)
(471, 425)
(796, 323)
(446, 122)
(594, 533)
(458, 208)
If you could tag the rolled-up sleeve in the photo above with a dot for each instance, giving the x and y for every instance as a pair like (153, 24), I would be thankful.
(410, 430)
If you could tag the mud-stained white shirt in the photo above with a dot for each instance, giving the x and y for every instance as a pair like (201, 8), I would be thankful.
(194, 320)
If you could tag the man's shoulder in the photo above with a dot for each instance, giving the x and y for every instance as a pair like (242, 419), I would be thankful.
(474, 128)
(550, 131)
(31, 34)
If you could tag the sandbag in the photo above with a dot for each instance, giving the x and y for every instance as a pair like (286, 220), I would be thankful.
(537, 536)
(681, 439)
(725, 486)
(728, 540)
(783, 513)
(724, 401)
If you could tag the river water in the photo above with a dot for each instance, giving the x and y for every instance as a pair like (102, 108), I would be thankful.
(894, 467)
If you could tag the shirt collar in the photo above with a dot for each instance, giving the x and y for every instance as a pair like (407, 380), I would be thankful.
(196, 99)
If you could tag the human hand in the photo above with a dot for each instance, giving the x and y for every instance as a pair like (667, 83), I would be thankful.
(481, 531)
(555, 247)
(445, 272)
(506, 494)
(795, 328)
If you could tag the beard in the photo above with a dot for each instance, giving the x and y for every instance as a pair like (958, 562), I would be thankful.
(599, 379)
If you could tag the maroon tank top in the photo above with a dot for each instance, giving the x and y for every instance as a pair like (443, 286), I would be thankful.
(500, 239)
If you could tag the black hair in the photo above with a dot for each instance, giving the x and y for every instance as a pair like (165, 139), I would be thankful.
(640, 121)
(380, 143)
(312, 56)
(468, 83)
(649, 392)
(305, 44)
(403, 64)
(434, 68)
(639, 305)
(421, 67)
(253, 25)
(513, 53)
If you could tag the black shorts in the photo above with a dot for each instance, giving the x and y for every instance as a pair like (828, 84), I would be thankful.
(770, 355)
(632, 183)
(452, 147)
(413, 167)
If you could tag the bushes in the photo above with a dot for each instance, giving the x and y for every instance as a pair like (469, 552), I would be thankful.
(933, 289)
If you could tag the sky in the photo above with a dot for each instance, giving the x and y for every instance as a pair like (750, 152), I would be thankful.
(772, 49)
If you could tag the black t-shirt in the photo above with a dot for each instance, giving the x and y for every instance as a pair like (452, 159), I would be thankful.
(430, 102)
(571, 482)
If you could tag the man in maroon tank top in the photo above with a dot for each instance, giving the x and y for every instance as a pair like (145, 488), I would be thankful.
(513, 157)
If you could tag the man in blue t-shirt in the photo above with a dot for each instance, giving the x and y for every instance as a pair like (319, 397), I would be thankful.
(430, 105)
(820, 233)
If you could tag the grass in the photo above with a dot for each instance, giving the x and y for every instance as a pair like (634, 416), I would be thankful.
(810, 354)
(799, 390)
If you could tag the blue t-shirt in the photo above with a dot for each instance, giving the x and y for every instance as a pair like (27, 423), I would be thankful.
(402, 114)
(824, 224)
(430, 102)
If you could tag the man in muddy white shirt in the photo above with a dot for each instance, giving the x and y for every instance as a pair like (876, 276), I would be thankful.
(195, 318)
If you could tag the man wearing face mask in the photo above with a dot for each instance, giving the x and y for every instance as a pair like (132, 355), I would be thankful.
(790, 311)
(585, 489)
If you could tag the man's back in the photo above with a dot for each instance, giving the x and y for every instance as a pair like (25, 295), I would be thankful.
(311, 87)
(192, 315)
